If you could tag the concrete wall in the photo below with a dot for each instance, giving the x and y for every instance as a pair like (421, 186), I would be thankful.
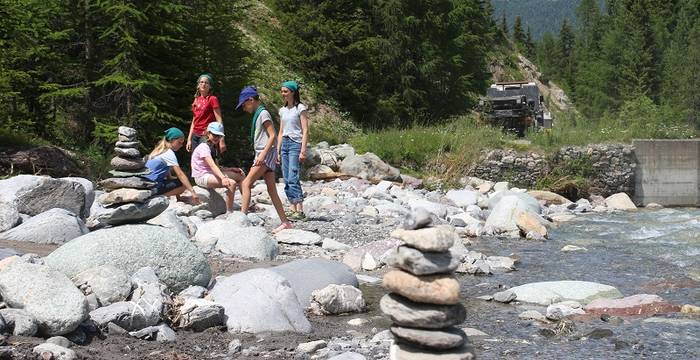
(667, 172)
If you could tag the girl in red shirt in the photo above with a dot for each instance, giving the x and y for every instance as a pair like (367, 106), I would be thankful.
(205, 109)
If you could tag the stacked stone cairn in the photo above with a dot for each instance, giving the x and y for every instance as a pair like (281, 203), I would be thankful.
(128, 197)
(424, 300)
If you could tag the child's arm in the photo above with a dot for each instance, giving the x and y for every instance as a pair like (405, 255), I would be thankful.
(215, 168)
(304, 135)
(219, 119)
(186, 182)
(188, 147)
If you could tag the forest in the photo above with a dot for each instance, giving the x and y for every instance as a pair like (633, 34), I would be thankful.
(73, 70)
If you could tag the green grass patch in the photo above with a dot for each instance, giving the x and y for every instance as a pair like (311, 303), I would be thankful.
(444, 150)
(10, 137)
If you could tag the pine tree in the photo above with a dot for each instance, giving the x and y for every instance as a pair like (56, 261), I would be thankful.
(529, 44)
(518, 34)
(504, 24)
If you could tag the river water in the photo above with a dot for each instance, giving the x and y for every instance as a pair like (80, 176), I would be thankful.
(652, 252)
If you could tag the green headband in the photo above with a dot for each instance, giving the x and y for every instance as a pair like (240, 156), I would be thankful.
(291, 85)
(173, 133)
(208, 76)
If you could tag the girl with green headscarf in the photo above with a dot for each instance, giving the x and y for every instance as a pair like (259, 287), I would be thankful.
(162, 162)
(205, 109)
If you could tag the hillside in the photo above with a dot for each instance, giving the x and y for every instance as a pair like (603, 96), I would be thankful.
(540, 15)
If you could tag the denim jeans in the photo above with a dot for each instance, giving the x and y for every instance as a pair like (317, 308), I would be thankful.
(291, 169)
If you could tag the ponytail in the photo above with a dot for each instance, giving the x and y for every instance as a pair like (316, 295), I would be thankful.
(162, 146)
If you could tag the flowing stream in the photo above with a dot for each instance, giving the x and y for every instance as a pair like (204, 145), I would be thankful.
(652, 252)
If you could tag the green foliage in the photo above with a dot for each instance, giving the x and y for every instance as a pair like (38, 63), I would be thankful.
(540, 15)
(568, 176)
(69, 65)
(391, 62)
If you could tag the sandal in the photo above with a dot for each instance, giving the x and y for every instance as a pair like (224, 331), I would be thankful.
(283, 226)
(297, 216)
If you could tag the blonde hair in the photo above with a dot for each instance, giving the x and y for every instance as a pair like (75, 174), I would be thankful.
(162, 146)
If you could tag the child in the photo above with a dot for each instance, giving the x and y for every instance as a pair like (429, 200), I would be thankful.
(291, 145)
(162, 160)
(205, 171)
(262, 134)
(205, 109)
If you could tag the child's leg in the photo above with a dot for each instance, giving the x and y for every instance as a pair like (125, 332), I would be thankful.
(272, 191)
(255, 173)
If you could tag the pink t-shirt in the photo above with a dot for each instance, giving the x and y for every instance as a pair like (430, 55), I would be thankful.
(199, 165)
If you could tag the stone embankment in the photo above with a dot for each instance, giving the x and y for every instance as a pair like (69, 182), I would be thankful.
(609, 167)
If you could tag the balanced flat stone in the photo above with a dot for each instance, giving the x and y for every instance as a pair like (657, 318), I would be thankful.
(122, 164)
(409, 352)
(132, 182)
(124, 195)
(127, 152)
(127, 144)
(435, 239)
(123, 174)
(126, 131)
(430, 289)
(132, 212)
(443, 339)
(423, 263)
(405, 312)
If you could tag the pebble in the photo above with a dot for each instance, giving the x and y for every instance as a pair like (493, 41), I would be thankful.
(504, 296)
(310, 347)
(358, 322)
(571, 248)
(690, 309)
(532, 315)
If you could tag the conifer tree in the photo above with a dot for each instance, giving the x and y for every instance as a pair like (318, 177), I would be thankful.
(518, 34)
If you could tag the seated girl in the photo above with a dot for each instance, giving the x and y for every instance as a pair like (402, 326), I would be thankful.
(162, 162)
(207, 173)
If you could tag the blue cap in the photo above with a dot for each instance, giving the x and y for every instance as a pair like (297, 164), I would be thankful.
(247, 93)
(216, 128)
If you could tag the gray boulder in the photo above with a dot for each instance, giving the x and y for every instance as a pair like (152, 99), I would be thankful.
(503, 216)
(529, 202)
(245, 242)
(58, 306)
(369, 167)
(36, 194)
(54, 226)
(9, 216)
(89, 188)
(169, 219)
(212, 200)
(307, 275)
(298, 237)
(259, 300)
(463, 198)
(22, 322)
(550, 292)
(175, 259)
(108, 283)
(149, 294)
(130, 213)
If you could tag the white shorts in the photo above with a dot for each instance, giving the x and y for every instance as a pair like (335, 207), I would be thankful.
(203, 180)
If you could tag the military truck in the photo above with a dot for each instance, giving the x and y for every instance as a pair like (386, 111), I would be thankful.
(516, 106)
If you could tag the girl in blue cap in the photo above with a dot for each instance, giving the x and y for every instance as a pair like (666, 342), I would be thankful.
(207, 173)
(262, 134)
(291, 145)
(162, 162)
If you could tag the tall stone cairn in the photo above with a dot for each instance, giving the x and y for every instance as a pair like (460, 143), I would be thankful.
(129, 197)
(424, 300)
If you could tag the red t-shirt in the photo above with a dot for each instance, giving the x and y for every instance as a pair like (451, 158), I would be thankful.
(203, 111)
